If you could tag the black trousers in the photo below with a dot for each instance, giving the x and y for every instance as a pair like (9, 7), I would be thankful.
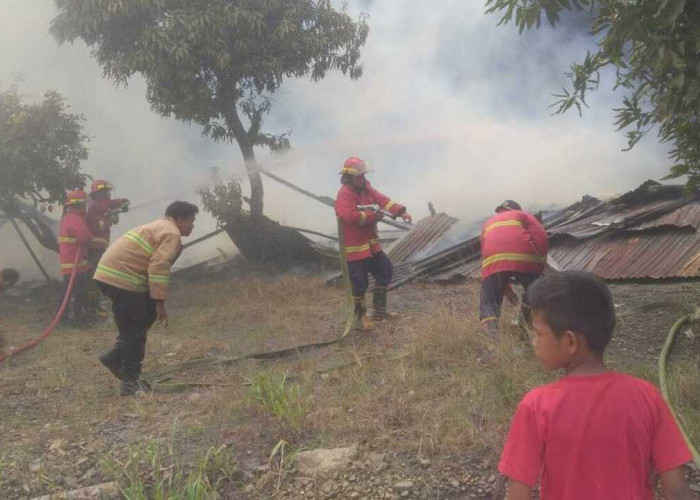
(134, 314)
(379, 266)
(494, 287)
(79, 295)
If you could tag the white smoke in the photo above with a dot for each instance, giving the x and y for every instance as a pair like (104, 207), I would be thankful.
(451, 109)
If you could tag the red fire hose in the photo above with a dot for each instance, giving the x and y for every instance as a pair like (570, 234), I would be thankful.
(59, 315)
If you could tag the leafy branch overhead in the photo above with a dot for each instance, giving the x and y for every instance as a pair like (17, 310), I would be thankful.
(654, 48)
(216, 62)
(41, 147)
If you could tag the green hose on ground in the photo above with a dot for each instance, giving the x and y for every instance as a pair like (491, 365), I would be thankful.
(160, 377)
(663, 379)
(342, 256)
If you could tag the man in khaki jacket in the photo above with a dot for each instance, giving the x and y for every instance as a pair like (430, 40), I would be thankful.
(134, 273)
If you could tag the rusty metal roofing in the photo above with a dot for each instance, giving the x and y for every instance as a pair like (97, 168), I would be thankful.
(657, 239)
(654, 240)
(653, 254)
(606, 217)
(685, 216)
(426, 232)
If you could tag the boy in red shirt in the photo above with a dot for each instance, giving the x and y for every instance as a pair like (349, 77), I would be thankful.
(594, 434)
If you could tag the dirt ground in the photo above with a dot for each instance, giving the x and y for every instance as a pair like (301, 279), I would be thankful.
(412, 396)
(641, 335)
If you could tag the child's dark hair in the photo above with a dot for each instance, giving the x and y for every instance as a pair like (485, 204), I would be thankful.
(181, 210)
(575, 301)
(10, 276)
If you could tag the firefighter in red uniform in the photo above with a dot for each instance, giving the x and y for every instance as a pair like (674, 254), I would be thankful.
(74, 239)
(514, 249)
(364, 254)
(102, 214)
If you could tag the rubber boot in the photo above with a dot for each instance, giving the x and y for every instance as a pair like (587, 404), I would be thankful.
(490, 328)
(362, 322)
(379, 309)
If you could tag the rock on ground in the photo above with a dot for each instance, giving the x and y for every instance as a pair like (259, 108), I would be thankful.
(324, 461)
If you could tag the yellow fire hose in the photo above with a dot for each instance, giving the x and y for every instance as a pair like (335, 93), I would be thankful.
(663, 377)
(349, 305)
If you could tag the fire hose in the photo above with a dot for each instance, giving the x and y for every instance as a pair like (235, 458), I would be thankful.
(161, 376)
(57, 318)
(663, 377)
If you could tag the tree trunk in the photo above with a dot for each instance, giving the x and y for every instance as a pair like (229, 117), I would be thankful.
(245, 144)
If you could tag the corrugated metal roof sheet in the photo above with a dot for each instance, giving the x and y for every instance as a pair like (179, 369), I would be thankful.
(657, 240)
(606, 217)
(685, 216)
(426, 232)
(654, 254)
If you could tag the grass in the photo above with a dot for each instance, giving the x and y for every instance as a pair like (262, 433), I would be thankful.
(152, 471)
(415, 386)
(286, 401)
(437, 398)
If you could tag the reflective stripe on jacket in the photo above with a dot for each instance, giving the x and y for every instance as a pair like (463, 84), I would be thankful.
(140, 260)
(360, 226)
(74, 237)
(513, 241)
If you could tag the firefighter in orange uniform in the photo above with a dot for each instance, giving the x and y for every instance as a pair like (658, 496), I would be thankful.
(364, 254)
(102, 214)
(74, 239)
(514, 249)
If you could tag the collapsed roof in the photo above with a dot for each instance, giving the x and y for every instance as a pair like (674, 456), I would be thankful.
(649, 233)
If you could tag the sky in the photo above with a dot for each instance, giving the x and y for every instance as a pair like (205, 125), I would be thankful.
(450, 109)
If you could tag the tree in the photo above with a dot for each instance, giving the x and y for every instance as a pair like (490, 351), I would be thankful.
(41, 147)
(654, 48)
(216, 62)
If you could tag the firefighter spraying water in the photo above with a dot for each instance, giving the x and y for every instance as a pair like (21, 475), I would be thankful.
(363, 252)
(102, 213)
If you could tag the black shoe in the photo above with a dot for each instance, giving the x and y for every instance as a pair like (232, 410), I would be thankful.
(112, 365)
(131, 387)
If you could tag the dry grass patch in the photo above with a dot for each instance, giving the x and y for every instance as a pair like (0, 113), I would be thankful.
(436, 398)
(414, 386)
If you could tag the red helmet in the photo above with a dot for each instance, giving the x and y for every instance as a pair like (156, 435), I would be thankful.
(100, 185)
(75, 197)
(356, 167)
